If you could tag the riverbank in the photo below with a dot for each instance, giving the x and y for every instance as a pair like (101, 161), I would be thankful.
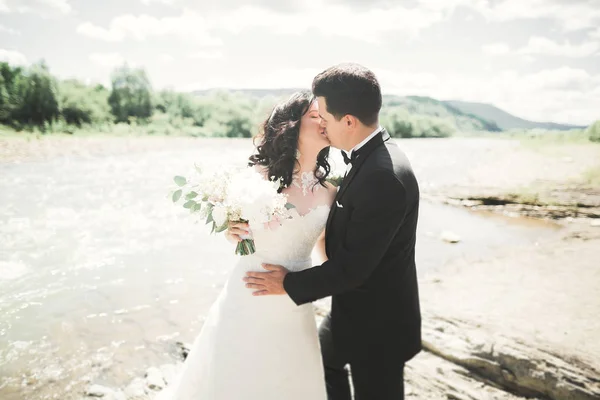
(541, 297)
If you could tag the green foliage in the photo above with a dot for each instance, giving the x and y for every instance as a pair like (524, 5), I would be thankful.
(81, 104)
(402, 124)
(9, 101)
(441, 112)
(131, 95)
(228, 115)
(33, 96)
(30, 98)
(593, 132)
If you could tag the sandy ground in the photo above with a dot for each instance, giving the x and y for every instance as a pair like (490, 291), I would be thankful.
(549, 293)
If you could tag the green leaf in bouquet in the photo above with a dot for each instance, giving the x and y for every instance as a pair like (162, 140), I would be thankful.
(289, 206)
(213, 227)
(205, 198)
(176, 195)
(335, 180)
(189, 204)
(222, 228)
(191, 195)
(180, 180)
(196, 207)
(209, 217)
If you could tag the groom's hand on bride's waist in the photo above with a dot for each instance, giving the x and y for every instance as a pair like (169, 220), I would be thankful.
(269, 282)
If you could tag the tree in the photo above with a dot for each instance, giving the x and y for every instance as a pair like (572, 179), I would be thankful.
(82, 104)
(397, 122)
(593, 131)
(35, 96)
(9, 101)
(131, 94)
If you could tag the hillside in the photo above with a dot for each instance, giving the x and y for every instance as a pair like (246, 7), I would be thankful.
(464, 116)
(503, 119)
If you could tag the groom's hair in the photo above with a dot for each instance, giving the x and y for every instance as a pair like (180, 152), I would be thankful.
(349, 89)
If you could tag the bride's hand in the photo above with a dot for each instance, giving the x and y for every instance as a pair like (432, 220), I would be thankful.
(235, 230)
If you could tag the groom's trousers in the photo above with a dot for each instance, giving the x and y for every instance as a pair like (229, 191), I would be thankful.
(372, 379)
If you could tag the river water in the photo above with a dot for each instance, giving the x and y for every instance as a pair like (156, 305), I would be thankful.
(100, 273)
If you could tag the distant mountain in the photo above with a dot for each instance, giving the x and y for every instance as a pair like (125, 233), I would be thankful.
(503, 119)
(465, 116)
(427, 106)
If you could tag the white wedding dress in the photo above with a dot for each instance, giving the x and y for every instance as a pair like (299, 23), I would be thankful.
(259, 347)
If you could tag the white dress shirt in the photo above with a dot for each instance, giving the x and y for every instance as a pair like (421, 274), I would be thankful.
(361, 144)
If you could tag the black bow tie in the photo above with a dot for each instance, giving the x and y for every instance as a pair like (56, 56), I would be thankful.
(351, 159)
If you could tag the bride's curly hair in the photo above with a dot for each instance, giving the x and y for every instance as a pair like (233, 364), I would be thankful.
(278, 142)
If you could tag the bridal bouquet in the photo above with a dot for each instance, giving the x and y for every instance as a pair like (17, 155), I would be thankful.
(226, 196)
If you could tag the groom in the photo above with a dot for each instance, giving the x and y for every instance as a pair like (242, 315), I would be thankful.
(375, 322)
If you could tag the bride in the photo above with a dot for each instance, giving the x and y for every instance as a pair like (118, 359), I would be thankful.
(227, 359)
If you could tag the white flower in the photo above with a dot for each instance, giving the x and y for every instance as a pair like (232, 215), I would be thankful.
(219, 215)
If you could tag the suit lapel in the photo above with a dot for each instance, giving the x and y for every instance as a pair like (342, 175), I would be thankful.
(364, 152)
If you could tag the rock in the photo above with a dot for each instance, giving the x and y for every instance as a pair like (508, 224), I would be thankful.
(183, 349)
(526, 369)
(118, 395)
(450, 237)
(136, 389)
(429, 377)
(169, 373)
(99, 391)
(595, 222)
(154, 379)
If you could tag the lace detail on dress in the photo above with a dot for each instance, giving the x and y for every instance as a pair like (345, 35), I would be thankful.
(294, 239)
(308, 181)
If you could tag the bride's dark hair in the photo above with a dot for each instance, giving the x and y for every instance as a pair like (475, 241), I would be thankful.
(278, 142)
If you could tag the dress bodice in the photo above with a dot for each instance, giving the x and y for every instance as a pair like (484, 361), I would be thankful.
(291, 243)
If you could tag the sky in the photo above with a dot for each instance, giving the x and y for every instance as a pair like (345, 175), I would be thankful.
(537, 59)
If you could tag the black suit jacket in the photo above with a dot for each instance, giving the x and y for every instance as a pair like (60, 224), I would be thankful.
(371, 273)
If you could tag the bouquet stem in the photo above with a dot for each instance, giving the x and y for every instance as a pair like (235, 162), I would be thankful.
(245, 247)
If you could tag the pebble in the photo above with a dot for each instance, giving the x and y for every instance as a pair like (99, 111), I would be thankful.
(154, 379)
(137, 388)
(450, 237)
(169, 373)
(98, 391)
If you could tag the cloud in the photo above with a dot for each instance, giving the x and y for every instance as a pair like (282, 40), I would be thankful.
(13, 57)
(165, 2)
(166, 58)
(264, 79)
(189, 25)
(595, 34)
(372, 26)
(107, 60)
(90, 30)
(565, 94)
(496, 49)
(10, 31)
(44, 8)
(206, 55)
(544, 46)
(571, 15)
